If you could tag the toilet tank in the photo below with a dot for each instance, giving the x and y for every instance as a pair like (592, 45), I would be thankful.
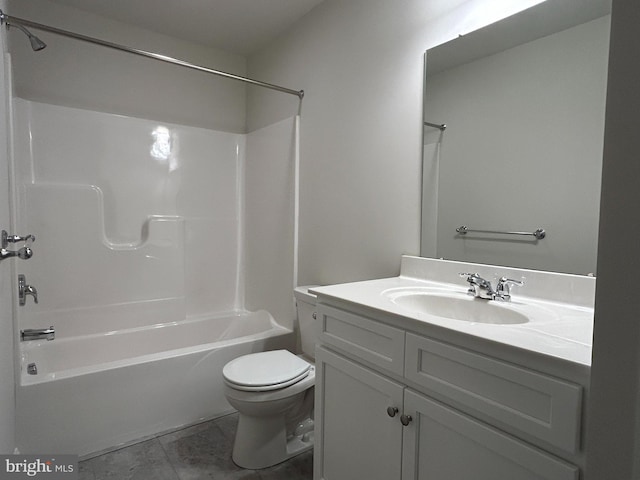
(306, 305)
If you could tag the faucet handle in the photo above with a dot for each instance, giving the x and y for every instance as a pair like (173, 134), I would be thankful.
(6, 239)
(472, 279)
(504, 281)
(25, 253)
(28, 240)
(469, 275)
(503, 288)
(478, 286)
(475, 279)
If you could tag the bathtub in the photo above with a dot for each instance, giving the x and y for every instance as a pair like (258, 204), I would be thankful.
(93, 393)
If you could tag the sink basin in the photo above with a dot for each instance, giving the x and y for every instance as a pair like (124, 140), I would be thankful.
(455, 306)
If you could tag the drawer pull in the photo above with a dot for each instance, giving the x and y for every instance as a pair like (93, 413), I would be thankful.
(405, 419)
(391, 411)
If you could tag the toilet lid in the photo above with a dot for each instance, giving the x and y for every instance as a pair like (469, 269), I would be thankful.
(265, 370)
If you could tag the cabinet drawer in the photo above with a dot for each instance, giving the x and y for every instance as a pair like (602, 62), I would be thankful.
(522, 400)
(372, 341)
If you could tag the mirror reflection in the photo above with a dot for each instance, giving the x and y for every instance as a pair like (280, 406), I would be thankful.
(523, 101)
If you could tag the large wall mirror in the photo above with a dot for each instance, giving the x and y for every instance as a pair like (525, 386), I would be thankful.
(523, 101)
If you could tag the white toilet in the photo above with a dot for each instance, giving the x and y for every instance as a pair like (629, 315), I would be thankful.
(273, 393)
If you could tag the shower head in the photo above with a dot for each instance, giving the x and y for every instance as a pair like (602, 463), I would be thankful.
(36, 43)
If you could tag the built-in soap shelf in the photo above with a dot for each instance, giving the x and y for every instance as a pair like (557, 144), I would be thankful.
(80, 267)
(87, 201)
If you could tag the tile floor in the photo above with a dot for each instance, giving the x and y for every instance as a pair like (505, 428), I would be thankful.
(199, 452)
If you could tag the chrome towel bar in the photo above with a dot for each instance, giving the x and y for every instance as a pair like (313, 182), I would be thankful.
(539, 233)
(440, 126)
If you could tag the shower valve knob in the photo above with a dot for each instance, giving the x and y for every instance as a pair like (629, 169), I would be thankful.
(17, 239)
(7, 239)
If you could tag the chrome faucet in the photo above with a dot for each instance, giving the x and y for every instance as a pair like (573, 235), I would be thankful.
(24, 290)
(24, 253)
(481, 288)
(503, 291)
(6, 239)
(38, 334)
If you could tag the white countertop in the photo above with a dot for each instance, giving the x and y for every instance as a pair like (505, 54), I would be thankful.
(558, 329)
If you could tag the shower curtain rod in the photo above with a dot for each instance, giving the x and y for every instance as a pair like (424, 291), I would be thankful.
(10, 20)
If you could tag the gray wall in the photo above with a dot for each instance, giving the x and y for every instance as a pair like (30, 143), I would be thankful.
(360, 64)
(614, 412)
(82, 75)
(7, 401)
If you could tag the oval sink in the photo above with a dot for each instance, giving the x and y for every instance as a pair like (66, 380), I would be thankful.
(457, 306)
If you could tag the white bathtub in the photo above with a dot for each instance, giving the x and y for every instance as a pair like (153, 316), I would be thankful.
(95, 392)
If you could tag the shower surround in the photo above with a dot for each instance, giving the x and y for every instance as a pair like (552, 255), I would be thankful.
(162, 252)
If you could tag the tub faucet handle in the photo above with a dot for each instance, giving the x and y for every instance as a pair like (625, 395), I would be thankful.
(6, 239)
(27, 240)
(24, 252)
(24, 290)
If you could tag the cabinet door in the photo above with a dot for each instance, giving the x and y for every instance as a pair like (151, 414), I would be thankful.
(442, 443)
(355, 436)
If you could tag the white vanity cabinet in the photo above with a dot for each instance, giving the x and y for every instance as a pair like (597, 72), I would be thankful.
(395, 404)
(359, 439)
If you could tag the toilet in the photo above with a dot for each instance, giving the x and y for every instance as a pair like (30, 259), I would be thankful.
(273, 393)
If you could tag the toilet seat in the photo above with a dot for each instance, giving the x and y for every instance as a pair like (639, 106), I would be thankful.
(265, 371)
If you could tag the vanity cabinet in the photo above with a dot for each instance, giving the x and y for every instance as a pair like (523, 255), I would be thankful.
(359, 438)
(394, 404)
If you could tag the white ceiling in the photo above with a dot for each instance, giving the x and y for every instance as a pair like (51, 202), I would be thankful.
(235, 26)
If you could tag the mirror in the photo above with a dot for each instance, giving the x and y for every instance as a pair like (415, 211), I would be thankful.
(523, 101)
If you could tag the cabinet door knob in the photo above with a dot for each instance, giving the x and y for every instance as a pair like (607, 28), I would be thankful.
(405, 419)
(391, 411)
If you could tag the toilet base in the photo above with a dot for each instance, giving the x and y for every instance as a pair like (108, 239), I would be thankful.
(261, 442)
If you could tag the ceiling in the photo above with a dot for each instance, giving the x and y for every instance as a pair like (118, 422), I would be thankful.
(235, 26)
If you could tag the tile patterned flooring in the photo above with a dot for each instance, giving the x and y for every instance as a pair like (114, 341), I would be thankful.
(199, 452)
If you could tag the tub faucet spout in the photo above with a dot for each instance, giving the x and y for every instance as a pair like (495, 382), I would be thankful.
(38, 334)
